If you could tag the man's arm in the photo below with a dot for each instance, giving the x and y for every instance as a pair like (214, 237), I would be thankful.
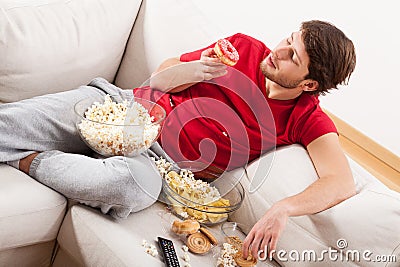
(334, 185)
(174, 76)
(335, 182)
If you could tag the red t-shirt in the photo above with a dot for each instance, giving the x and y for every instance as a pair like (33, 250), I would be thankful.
(230, 121)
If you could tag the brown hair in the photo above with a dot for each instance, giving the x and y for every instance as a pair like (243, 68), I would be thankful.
(332, 55)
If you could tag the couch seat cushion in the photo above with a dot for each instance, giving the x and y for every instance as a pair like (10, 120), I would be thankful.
(94, 239)
(30, 212)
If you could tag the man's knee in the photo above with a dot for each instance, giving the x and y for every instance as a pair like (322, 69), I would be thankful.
(138, 184)
(144, 188)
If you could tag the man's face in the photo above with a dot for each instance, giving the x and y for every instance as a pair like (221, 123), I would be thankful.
(287, 64)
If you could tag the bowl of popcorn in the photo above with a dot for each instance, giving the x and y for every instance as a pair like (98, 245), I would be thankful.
(190, 197)
(119, 126)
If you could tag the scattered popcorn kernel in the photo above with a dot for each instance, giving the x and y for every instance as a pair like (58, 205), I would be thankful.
(186, 257)
(226, 258)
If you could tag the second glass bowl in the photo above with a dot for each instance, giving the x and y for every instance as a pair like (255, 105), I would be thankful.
(213, 212)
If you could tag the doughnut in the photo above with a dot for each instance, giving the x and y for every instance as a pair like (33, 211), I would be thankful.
(186, 227)
(209, 235)
(249, 262)
(226, 52)
(198, 243)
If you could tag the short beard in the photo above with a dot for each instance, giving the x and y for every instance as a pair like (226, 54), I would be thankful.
(281, 82)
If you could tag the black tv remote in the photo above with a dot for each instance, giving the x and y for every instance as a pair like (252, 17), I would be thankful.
(169, 253)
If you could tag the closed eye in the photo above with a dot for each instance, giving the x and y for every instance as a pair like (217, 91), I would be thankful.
(293, 54)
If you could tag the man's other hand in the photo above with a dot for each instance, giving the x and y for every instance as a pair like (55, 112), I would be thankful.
(265, 233)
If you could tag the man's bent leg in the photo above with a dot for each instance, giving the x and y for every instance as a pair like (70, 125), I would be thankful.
(116, 185)
(41, 123)
(47, 122)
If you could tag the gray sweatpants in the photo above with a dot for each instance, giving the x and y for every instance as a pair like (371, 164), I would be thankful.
(117, 185)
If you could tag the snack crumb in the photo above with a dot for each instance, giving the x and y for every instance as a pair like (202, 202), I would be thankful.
(184, 214)
(186, 257)
(149, 249)
(226, 258)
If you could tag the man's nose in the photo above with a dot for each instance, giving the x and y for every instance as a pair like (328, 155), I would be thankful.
(283, 52)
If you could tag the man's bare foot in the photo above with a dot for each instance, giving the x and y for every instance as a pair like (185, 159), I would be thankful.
(25, 163)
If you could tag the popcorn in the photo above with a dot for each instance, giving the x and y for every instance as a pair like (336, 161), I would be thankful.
(186, 257)
(152, 252)
(184, 184)
(209, 203)
(185, 248)
(150, 249)
(185, 181)
(226, 258)
(184, 214)
(114, 128)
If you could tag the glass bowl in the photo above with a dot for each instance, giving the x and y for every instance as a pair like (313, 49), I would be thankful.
(234, 235)
(202, 171)
(233, 229)
(118, 126)
(208, 211)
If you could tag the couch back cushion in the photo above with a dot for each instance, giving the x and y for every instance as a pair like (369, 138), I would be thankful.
(162, 30)
(49, 46)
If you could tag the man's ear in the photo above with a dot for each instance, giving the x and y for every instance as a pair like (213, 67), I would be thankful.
(310, 85)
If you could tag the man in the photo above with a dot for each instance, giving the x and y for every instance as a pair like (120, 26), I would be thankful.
(286, 80)
(304, 65)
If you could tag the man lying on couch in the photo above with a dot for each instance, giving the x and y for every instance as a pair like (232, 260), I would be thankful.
(277, 104)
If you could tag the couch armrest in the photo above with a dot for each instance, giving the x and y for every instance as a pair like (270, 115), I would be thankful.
(30, 212)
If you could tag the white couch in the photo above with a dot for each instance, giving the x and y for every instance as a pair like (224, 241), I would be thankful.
(55, 45)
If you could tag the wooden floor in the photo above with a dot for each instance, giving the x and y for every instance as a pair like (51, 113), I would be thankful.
(377, 160)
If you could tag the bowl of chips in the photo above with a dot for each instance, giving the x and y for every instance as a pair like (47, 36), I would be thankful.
(209, 199)
(118, 125)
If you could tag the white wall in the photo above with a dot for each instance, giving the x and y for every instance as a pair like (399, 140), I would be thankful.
(371, 101)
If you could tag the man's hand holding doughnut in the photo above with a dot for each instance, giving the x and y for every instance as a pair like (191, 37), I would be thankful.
(211, 66)
(175, 76)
